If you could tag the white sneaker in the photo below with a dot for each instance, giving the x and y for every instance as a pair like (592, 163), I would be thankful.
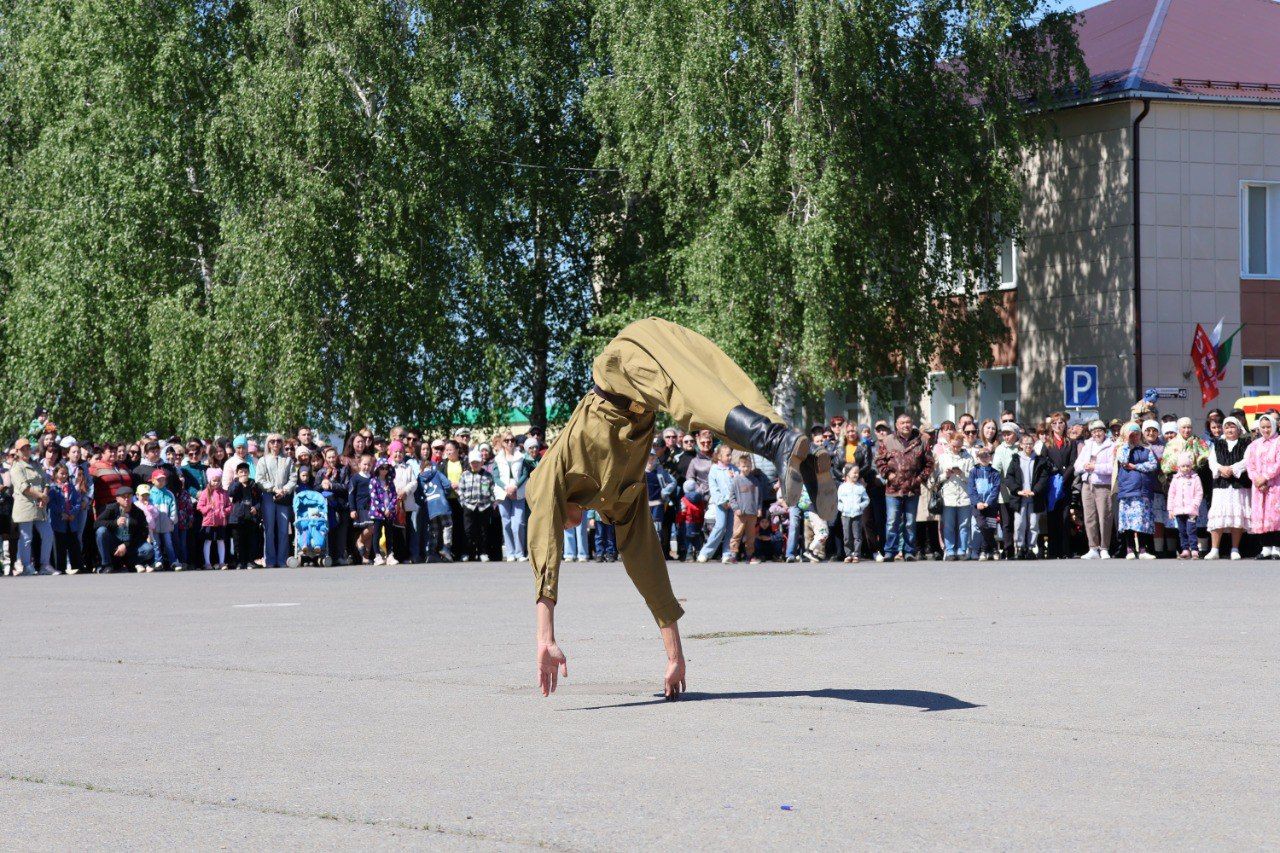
(879, 557)
(1212, 555)
(728, 558)
(1092, 554)
(1104, 554)
(392, 561)
(701, 559)
(1235, 554)
(1129, 555)
(379, 560)
(1146, 555)
(1267, 553)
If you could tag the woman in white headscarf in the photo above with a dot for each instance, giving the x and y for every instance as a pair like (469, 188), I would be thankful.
(1229, 510)
(1262, 461)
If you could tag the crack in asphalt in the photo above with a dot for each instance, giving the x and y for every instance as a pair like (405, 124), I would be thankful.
(189, 799)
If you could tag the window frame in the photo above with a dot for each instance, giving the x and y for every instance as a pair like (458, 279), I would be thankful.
(1273, 368)
(1013, 260)
(1272, 234)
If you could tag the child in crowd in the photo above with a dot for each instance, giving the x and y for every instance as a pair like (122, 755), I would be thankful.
(142, 499)
(690, 517)
(1183, 503)
(769, 539)
(214, 505)
(361, 506)
(751, 495)
(1026, 488)
(852, 501)
(246, 516)
(382, 511)
(167, 508)
(433, 510)
(719, 504)
(606, 539)
(475, 491)
(984, 494)
(64, 505)
(816, 550)
(310, 518)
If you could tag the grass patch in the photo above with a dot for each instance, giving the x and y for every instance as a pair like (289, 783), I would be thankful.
(733, 635)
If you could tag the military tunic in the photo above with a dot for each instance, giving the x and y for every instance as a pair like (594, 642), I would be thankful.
(598, 460)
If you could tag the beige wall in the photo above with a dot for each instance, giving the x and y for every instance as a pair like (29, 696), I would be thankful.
(1075, 302)
(1193, 158)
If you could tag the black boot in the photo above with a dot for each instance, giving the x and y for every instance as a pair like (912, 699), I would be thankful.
(780, 444)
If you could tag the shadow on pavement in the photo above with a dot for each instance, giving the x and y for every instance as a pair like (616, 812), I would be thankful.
(922, 699)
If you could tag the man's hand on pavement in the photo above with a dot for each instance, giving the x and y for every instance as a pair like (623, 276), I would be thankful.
(673, 684)
(551, 665)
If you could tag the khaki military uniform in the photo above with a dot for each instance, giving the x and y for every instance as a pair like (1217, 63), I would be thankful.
(598, 460)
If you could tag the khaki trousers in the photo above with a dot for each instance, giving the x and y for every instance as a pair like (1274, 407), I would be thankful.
(745, 528)
(1099, 514)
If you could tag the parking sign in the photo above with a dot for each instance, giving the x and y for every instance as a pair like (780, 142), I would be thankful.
(1080, 386)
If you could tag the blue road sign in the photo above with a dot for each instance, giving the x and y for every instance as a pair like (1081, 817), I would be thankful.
(1080, 386)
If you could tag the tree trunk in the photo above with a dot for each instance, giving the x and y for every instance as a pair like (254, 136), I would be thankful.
(539, 350)
(786, 389)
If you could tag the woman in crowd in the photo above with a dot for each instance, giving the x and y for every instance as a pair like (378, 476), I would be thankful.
(333, 479)
(1230, 506)
(952, 473)
(1095, 463)
(1134, 476)
(511, 469)
(277, 478)
(1262, 461)
(1061, 453)
(30, 509)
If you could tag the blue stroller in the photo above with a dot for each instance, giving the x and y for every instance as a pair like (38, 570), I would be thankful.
(311, 530)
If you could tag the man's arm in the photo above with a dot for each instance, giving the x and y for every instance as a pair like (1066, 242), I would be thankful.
(647, 567)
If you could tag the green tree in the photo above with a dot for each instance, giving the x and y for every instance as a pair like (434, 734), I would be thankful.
(527, 214)
(334, 156)
(107, 228)
(821, 186)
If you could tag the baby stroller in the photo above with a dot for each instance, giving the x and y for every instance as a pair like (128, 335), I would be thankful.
(311, 530)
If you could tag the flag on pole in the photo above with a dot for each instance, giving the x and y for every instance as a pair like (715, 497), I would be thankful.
(1216, 334)
(1222, 351)
(1205, 359)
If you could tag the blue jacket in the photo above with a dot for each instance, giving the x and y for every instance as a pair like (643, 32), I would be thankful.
(984, 485)
(720, 484)
(1139, 483)
(433, 492)
(59, 504)
(852, 499)
(308, 503)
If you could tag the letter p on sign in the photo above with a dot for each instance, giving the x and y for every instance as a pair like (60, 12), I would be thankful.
(1080, 386)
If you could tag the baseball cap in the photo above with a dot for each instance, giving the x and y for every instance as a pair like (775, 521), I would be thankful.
(67, 441)
(474, 456)
(144, 489)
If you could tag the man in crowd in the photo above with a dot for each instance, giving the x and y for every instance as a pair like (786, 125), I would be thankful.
(904, 463)
(121, 535)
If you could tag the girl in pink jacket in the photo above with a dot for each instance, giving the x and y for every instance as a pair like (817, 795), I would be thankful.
(215, 507)
(1185, 495)
(1262, 461)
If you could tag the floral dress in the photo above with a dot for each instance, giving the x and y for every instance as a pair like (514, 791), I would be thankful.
(382, 500)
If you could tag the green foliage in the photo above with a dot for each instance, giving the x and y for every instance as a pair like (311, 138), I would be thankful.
(821, 186)
(251, 213)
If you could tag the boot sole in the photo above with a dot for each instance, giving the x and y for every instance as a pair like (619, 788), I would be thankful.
(789, 481)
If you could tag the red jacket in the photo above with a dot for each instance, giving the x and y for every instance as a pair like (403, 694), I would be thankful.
(690, 512)
(909, 461)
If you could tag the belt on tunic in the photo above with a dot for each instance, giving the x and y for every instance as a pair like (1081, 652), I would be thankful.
(626, 404)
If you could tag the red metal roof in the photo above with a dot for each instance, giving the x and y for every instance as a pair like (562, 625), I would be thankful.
(1212, 48)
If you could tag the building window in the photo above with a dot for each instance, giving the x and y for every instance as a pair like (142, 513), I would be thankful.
(1261, 378)
(1260, 230)
(1008, 265)
(892, 404)
(948, 398)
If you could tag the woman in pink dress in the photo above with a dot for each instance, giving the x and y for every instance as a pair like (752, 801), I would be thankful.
(1262, 461)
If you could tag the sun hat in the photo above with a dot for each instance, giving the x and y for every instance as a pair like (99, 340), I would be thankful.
(1096, 424)
(1150, 424)
(474, 456)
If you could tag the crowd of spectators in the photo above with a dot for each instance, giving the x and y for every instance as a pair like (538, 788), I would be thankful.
(71, 506)
(1141, 488)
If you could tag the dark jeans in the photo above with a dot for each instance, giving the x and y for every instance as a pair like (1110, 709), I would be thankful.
(689, 541)
(107, 544)
(244, 538)
(429, 533)
(66, 550)
(606, 540)
(852, 530)
(1187, 533)
(479, 524)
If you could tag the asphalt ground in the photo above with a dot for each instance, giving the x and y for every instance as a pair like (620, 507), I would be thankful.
(928, 705)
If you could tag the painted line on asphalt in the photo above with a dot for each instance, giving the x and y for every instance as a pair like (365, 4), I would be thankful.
(271, 604)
